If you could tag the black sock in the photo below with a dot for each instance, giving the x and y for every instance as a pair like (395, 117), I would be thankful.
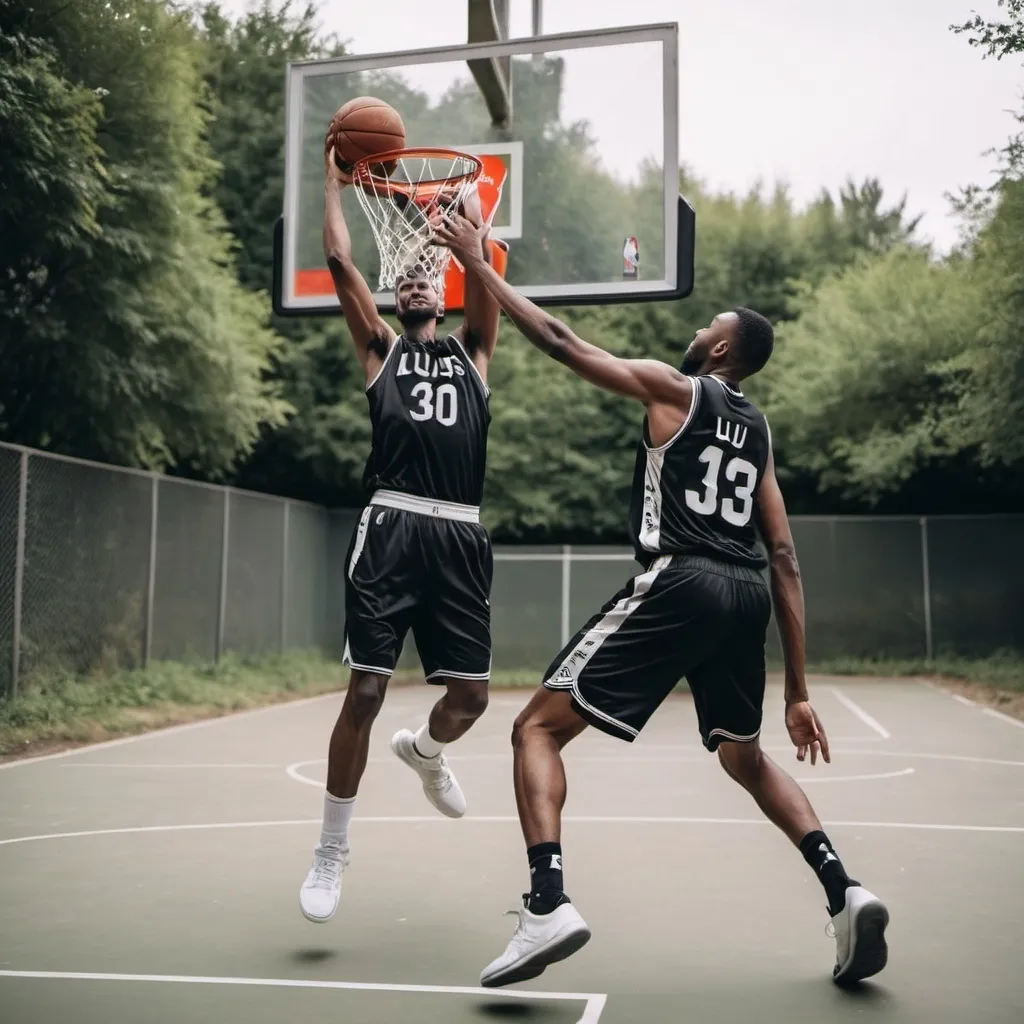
(818, 852)
(546, 885)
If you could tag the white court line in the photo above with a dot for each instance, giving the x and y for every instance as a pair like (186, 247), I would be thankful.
(969, 759)
(495, 819)
(204, 723)
(860, 713)
(959, 698)
(294, 773)
(145, 765)
(992, 713)
(591, 1014)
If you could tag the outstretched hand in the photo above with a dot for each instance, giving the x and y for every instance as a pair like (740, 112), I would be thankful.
(332, 172)
(461, 235)
(806, 732)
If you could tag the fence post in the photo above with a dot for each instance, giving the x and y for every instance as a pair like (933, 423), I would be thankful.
(223, 603)
(566, 590)
(929, 648)
(154, 504)
(19, 572)
(284, 575)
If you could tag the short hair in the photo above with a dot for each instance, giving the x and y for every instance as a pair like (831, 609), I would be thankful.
(755, 340)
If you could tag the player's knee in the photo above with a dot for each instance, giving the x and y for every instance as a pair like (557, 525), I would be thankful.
(532, 722)
(469, 697)
(741, 760)
(366, 696)
(523, 723)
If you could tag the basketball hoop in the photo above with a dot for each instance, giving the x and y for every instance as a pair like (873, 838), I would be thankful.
(403, 193)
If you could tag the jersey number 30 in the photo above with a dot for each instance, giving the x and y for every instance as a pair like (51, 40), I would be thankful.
(441, 405)
(739, 471)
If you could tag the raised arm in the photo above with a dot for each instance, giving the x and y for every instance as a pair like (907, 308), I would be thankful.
(646, 380)
(481, 312)
(370, 334)
(804, 727)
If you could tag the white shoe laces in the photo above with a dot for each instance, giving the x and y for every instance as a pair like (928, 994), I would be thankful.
(326, 872)
(519, 935)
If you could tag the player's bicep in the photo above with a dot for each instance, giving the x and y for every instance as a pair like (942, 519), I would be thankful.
(645, 380)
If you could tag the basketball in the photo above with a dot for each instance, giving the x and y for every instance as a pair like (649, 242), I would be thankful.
(363, 127)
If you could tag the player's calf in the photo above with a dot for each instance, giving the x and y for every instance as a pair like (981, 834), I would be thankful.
(859, 918)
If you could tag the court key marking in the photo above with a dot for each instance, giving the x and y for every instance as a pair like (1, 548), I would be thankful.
(591, 1014)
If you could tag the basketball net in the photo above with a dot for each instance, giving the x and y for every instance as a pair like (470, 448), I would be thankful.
(404, 200)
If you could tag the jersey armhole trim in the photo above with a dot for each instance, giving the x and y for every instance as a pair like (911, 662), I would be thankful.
(472, 365)
(383, 365)
(694, 402)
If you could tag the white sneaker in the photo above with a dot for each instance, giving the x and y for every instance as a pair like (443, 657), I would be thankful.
(539, 940)
(321, 891)
(439, 783)
(859, 931)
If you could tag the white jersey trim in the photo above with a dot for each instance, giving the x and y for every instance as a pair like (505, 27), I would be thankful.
(384, 364)
(472, 365)
(694, 402)
(649, 536)
(728, 387)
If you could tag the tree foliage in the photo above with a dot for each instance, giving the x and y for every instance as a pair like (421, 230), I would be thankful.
(140, 177)
(124, 332)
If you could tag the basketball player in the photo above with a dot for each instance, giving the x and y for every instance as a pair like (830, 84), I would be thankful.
(419, 558)
(703, 486)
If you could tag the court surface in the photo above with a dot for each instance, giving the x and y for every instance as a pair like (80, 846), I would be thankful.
(156, 879)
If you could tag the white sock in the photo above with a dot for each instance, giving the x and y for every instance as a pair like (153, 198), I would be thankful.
(337, 815)
(426, 745)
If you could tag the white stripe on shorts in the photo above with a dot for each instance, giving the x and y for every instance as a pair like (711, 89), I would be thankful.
(357, 548)
(568, 672)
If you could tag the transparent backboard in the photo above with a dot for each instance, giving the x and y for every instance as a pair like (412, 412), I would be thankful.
(590, 205)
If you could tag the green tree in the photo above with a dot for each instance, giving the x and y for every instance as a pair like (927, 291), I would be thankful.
(998, 38)
(127, 336)
(863, 389)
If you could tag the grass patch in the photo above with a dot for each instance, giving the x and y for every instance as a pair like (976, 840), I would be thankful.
(1002, 671)
(60, 709)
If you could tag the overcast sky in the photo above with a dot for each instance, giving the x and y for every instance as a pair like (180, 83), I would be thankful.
(803, 91)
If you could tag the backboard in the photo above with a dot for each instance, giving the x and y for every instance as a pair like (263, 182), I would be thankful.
(590, 206)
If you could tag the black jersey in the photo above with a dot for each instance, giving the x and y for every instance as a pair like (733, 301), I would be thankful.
(429, 413)
(695, 494)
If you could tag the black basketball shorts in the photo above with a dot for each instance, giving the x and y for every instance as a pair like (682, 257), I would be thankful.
(685, 617)
(425, 566)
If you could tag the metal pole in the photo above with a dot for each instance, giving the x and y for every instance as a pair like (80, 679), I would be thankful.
(284, 575)
(147, 648)
(929, 649)
(538, 17)
(223, 604)
(566, 590)
(19, 572)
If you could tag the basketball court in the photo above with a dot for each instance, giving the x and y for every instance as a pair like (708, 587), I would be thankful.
(156, 879)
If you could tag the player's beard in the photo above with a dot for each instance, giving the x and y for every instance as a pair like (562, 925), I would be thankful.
(691, 364)
(417, 315)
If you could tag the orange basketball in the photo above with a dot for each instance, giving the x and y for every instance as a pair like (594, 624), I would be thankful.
(364, 127)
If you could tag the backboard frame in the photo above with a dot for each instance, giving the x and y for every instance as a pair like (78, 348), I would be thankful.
(679, 216)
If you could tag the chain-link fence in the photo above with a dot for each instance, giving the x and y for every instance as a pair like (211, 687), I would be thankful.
(103, 568)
